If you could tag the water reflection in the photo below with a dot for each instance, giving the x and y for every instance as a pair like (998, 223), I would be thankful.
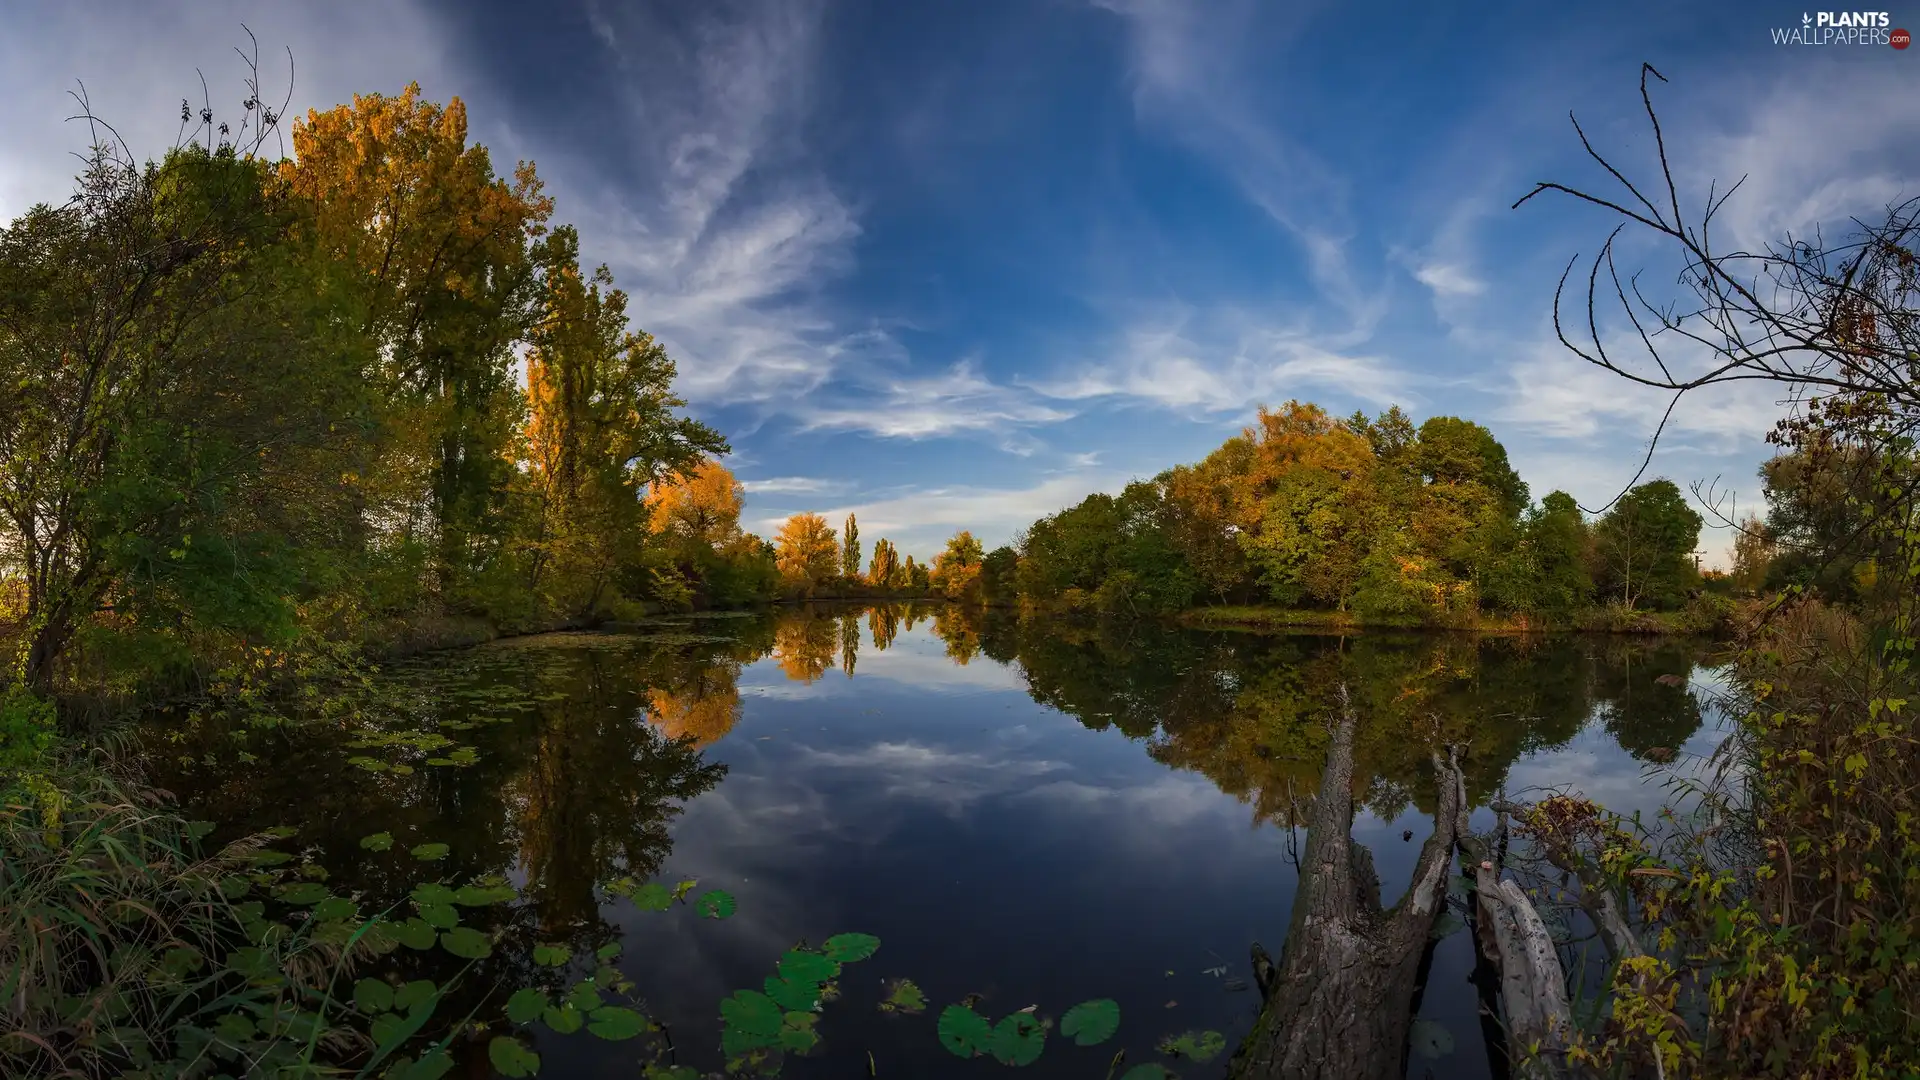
(1042, 812)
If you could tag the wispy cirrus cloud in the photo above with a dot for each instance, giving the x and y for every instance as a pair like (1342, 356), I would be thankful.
(1229, 361)
(713, 213)
(957, 401)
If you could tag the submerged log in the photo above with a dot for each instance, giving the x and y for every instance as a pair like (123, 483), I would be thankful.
(1340, 1003)
(1538, 1019)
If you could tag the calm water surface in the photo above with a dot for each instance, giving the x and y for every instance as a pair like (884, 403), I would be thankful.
(1038, 816)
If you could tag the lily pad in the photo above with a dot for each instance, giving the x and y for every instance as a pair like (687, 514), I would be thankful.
(1018, 1040)
(652, 896)
(614, 1022)
(847, 948)
(715, 904)
(563, 1019)
(380, 841)
(1091, 1023)
(551, 955)
(467, 943)
(964, 1032)
(526, 1004)
(1200, 1046)
(302, 892)
(511, 1058)
(431, 852)
(903, 996)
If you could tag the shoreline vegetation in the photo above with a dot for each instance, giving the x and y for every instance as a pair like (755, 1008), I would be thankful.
(265, 423)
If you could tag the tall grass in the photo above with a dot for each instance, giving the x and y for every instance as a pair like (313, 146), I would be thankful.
(120, 953)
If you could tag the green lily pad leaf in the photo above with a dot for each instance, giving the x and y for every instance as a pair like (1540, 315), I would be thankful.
(233, 886)
(608, 951)
(511, 1058)
(551, 955)
(440, 916)
(466, 942)
(1201, 1046)
(439, 761)
(281, 832)
(482, 896)
(902, 996)
(798, 1039)
(715, 904)
(335, 907)
(846, 948)
(414, 993)
(431, 852)
(964, 1032)
(584, 997)
(367, 763)
(1018, 1040)
(526, 1004)
(681, 890)
(431, 892)
(563, 1019)
(380, 841)
(1149, 1071)
(269, 858)
(670, 1072)
(800, 965)
(789, 994)
(414, 933)
(1430, 1040)
(614, 1022)
(372, 996)
(1091, 1023)
(198, 829)
(652, 896)
(751, 1013)
(302, 892)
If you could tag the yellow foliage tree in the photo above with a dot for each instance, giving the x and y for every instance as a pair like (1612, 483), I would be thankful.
(701, 509)
(807, 551)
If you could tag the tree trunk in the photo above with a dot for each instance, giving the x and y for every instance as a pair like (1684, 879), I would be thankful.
(1340, 1005)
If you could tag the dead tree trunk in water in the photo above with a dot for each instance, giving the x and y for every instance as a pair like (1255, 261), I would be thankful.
(1341, 1002)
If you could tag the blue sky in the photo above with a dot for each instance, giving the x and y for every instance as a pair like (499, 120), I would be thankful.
(958, 265)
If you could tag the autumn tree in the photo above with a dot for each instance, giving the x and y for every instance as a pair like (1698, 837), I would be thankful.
(808, 552)
(703, 508)
(449, 282)
(850, 549)
(885, 570)
(603, 429)
(956, 570)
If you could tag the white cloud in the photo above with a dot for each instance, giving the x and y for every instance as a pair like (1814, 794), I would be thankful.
(715, 218)
(1226, 361)
(1194, 73)
(791, 485)
(908, 407)
(1449, 280)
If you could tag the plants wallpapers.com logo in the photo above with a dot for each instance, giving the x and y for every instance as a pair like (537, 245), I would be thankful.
(1843, 28)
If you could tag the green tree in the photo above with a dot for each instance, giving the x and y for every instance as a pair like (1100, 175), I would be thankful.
(172, 372)
(850, 550)
(1645, 546)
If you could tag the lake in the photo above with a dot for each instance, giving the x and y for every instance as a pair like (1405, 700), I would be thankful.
(1038, 815)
